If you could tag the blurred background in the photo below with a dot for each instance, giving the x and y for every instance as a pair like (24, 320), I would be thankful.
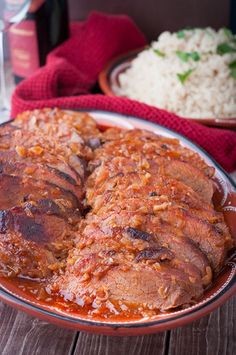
(51, 17)
(155, 16)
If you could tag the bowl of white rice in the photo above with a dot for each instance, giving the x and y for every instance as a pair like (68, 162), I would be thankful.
(191, 73)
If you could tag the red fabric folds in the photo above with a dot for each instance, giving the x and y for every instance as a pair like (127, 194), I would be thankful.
(72, 70)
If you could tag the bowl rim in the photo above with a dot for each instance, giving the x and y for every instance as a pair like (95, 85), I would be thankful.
(199, 310)
(105, 86)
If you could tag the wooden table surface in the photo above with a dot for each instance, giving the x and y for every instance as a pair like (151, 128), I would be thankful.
(214, 334)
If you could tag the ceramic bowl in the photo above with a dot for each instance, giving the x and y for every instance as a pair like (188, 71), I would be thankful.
(109, 83)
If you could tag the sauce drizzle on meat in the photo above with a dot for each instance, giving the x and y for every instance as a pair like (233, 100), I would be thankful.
(106, 222)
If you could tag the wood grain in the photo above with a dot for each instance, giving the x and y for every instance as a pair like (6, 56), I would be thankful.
(211, 335)
(21, 334)
(88, 344)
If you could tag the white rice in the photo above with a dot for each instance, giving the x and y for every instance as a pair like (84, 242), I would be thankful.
(208, 92)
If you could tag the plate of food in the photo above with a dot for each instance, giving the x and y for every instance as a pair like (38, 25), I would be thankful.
(111, 224)
(191, 73)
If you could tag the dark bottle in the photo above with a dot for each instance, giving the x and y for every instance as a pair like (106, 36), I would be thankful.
(44, 27)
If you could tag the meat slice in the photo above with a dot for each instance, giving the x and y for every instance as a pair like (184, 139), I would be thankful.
(131, 272)
(138, 290)
(191, 177)
(17, 191)
(141, 232)
(142, 185)
(182, 247)
(47, 151)
(130, 143)
(60, 122)
(12, 164)
(6, 130)
(73, 131)
(20, 257)
(213, 240)
(159, 166)
(22, 228)
(136, 239)
(210, 238)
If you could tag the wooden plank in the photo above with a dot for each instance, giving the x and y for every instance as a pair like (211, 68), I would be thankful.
(212, 335)
(23, 334)
(88, 344)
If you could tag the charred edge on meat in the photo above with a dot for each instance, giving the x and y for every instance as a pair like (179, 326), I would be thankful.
(63, 175)
(94, 142)
(17, 220)
(158, 254)
(46, 205)
(138, 234)
(3, 222)
(77, 173)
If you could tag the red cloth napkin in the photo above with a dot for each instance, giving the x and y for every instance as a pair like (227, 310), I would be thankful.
(72, 70)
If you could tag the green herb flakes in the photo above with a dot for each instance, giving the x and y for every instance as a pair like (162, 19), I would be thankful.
(225, 48)
(195, 56)
(184, 76)
(232, 67)
(185, 56)
(182, 55)
(159, 53)
(233, 73)
(227, 33)
(180, 34)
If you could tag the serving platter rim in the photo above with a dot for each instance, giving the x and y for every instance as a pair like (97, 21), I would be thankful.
(144, 325)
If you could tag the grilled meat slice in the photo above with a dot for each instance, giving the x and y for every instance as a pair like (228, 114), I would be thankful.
(142, 232)
(152, 272)
(21, 257)
(138, 289)
(130, 143)
(141, 185)
(212, 238)
(46, 151)
(72, 132)
(158, 167)
(49, 236)
(12, 164)
(184, 248)
(59, 122)
(134, 239)
(17, 191)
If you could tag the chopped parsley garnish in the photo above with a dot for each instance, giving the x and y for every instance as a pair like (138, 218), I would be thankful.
(225, 48)
(184, 76)
(185, 56)
(180, 34)
(227, 33)
(159, 53)
(195, 56)
(233, 73)
(182, 55)
(232, 67)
